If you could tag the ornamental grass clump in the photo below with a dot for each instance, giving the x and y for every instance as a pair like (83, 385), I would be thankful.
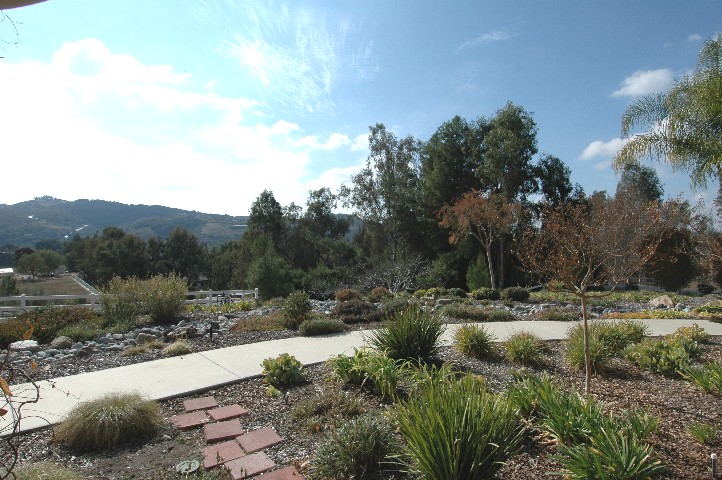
(321, 326)
(525, 348)
(458, 430)
(600, 353)
(371, 369)
(476, 341)
(707, 377)
(110, 422)
(360, 448)
(176, 349)
(412, 334)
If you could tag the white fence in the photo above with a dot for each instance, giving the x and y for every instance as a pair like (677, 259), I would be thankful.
(22, 303)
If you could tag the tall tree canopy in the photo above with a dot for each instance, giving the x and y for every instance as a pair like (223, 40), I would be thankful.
(684, 124)
(640, 181)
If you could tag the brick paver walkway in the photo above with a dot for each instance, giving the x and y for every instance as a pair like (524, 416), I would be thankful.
(229, 444)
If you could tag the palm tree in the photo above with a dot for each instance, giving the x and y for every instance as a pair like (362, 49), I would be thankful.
(685, 123)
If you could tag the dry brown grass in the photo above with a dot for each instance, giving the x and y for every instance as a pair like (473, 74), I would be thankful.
(51, 286)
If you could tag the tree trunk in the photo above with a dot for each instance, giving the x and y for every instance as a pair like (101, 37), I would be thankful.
(489, 261)
(587, 360)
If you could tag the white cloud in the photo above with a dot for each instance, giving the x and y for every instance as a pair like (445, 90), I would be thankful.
(335, 140)
(599, 148)
(94, 124)
(488, 37)
(695, 37)
(602, 165)
(644, 82)
(361, 142)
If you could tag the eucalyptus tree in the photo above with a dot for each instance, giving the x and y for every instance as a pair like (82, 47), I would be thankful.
(684, 124)
(640, 181)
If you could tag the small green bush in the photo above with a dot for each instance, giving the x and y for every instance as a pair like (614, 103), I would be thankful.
(515, 294)
(559, 315)
(708, 377)
(296, 310)
(668, 356)
(282, 371)
(379, 294)
(321, 326)
(359, 448)
(356, 311)
(82, 332)
(371, 369)
(177, 348)
(525, 348)
(694, 333)
(412, 334)
(703, 432)
(458, 430)
(474, 313)
(476, 342)
(392, 306)
(45, 470)
(110, 422)
(46, 323)
(326, 409)
(485, 294)
(121, 300)
(347, 294)
(599, 352)
(162, 297)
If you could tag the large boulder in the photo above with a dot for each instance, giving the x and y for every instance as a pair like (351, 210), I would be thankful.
(663, 301)
(25, 346)
(62, 343)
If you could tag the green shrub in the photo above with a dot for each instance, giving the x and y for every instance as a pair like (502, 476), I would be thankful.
(525, 348)
(476, 342)
(321, 326)
(45, 322)
(163, 297)
(271, 274)
(81, 332)
(392, 306)
(668, 356)
(177, 348)
(347, 294)
(326, 409)
(45, 470)
(412, 334)
(708, 377)
(282, 371)
(110, 422)
(296, 310)
(559, 315)
(457, 430)
(599, 352)
(121, 300)
(456, 292)
(356, 311)
(702, 432)
(474, 313)
(529, 392)
(373, 370)
(357, 449)
(610, 454)
(694, 333)
(515, 294)
(485, 294)
(379, 294)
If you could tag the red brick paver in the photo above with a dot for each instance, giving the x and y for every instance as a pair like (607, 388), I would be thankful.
(250, 465)
(227, 413)
(288, 473)
(259, 439)
(221, 453)
(202, 403)
(217, 432)
(187, 421)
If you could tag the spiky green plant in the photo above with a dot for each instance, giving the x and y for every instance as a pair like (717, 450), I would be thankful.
(475, 341)
(525, 348)
(412, 334)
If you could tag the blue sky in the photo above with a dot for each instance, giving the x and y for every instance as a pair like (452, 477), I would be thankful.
(203, 104)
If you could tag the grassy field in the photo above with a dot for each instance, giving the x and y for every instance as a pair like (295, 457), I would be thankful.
(50, 286)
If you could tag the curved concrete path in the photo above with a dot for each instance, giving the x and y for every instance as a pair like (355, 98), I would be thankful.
(197, 372)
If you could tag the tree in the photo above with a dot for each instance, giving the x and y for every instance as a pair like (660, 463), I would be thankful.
(640, 181)
(8, 286)
(507, 151)
(266, 218)
(683, 124)
(385, 196)
(31, 263)
(555, 184)
(52, 260)
(672, 263)
(184, 255)
(600, 241)
(486, 218)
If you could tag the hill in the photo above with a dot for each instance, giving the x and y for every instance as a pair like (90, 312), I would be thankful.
(48, 218)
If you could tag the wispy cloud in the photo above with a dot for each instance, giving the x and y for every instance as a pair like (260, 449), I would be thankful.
(643, 82)
(299, 57)
(487, 38)
(138, 133)
(599, 148)
(694, 38)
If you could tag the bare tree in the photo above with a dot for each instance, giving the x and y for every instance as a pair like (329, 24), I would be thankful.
(598, 241)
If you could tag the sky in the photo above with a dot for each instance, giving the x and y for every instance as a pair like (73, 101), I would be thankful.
(203, 104)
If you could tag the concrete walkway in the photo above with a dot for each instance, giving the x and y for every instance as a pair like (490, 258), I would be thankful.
(198, 372)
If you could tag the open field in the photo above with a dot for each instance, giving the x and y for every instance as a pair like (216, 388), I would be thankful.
(62, 285)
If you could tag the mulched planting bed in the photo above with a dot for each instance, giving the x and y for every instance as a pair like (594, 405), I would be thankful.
(675, 401)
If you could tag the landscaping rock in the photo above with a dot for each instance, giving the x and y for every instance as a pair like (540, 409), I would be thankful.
(25, 346)
(144, 338)
(663, 301)
(61, 343)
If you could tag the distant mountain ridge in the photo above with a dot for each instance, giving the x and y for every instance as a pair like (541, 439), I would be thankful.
(48, 218)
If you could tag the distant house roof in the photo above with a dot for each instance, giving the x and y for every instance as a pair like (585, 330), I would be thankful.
(6, 271)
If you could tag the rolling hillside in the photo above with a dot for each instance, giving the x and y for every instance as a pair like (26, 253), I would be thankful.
(47, 218)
